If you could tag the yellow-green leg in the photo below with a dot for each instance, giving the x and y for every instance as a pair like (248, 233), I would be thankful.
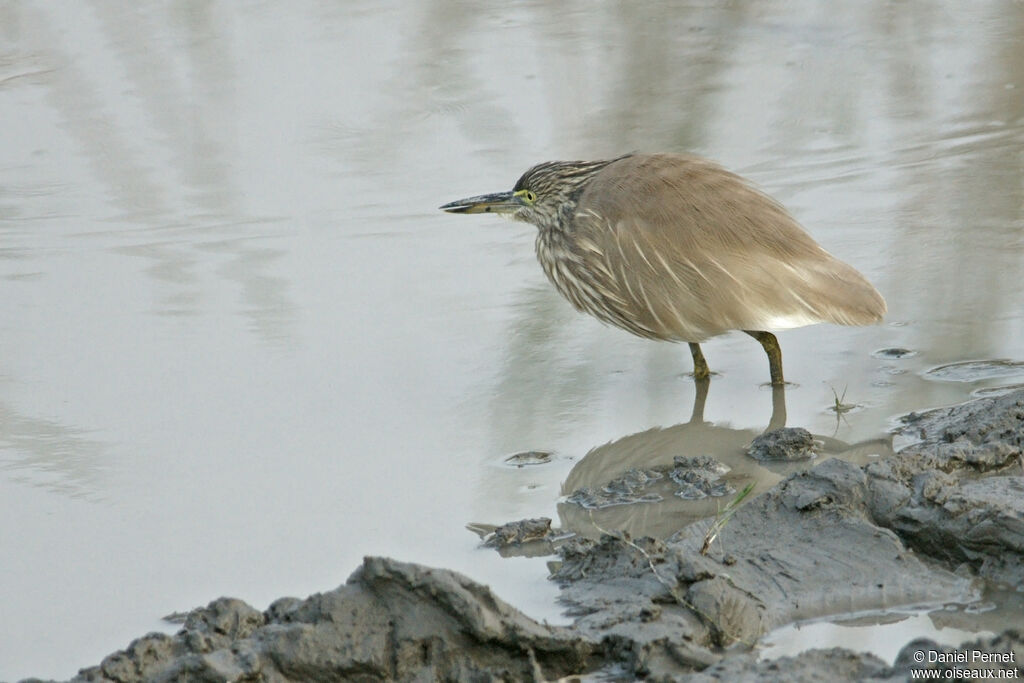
(771, 347)
(700, 366)
(700, 398)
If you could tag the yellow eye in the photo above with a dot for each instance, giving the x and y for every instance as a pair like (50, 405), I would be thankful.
(529, 196)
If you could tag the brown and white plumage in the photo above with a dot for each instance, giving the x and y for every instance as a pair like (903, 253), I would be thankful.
(677, 248)
(685, 250)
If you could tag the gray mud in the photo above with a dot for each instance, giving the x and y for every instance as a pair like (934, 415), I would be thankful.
(914, 529)
(786, 444)
(689, 478)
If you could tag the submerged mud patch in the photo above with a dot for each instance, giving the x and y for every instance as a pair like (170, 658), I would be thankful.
(688, 477)
(529, 459)
(976, 370)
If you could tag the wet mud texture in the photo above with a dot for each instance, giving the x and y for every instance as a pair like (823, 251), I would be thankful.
(787, 443)
(392, 621)
(911, 529)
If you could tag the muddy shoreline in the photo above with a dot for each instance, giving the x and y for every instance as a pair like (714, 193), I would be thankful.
(920, 527)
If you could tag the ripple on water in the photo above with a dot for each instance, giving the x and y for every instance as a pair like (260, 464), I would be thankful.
(976, 370)
(894, 353)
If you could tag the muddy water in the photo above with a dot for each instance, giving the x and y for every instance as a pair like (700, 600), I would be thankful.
(241, 348)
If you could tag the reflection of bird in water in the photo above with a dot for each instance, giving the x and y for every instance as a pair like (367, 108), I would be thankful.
(677, 248)
(657, 448)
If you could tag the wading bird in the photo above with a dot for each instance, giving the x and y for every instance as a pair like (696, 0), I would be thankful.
(677, 248)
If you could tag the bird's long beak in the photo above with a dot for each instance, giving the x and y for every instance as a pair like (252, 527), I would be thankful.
(499, 202)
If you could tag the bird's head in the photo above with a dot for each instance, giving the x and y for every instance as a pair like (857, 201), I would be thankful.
(542, 196)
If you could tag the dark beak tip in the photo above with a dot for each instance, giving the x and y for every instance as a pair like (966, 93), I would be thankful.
(454, 207)
(500, 202)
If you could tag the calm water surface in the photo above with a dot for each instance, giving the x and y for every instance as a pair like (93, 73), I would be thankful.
(241, 348)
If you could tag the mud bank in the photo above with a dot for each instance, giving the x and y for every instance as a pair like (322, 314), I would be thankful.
(913, 529)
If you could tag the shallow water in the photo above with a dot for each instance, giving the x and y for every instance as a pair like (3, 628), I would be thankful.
(242, 348)
(887, 633)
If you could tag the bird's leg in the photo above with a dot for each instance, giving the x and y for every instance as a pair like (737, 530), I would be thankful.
(778, 418)
(771, 347)
(700, 397)
(700, 366)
